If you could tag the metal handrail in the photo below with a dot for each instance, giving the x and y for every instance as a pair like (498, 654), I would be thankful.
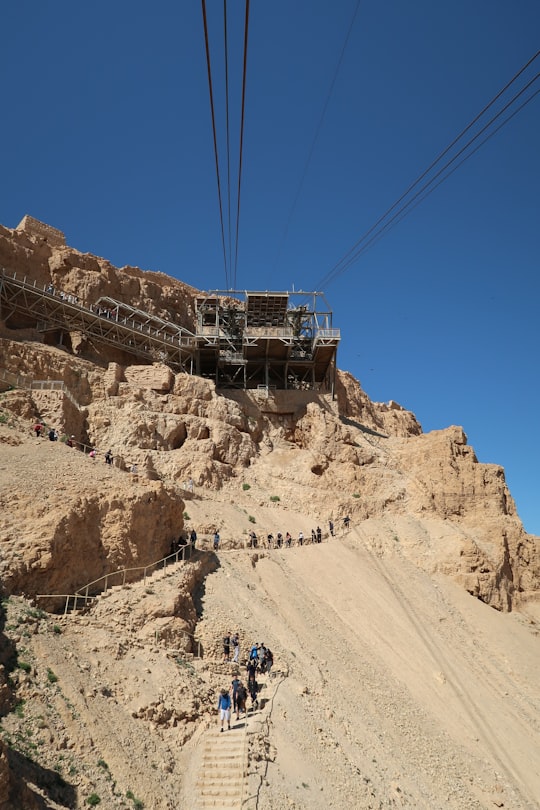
(78, 594)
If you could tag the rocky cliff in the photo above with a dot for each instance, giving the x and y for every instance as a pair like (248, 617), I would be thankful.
(189, 455)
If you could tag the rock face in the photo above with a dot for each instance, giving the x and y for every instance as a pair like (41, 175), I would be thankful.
(186, 455)
(352, 455)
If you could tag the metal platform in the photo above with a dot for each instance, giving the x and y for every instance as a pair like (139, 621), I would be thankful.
(243, 339)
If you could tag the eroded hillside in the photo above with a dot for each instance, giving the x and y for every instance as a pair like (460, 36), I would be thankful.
(394, 686)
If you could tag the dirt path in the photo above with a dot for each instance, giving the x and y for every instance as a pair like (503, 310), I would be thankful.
(400, 686)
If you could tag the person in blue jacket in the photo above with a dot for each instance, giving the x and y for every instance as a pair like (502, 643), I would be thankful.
(224, 708)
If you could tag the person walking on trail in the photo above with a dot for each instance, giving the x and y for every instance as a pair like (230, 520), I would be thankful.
(108, 457)
(331, 527)
(251, 670)
(217, 538)
(193, 538)
(235, 684)
(227, 648)
(254, 653)
(235, 641)
(346, 522)
(268, 661)
(224, 708)
(241, 697)
(253, 687)
(300, 538)
(319, 534)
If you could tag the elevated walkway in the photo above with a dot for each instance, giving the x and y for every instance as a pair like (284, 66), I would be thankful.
(242, 340)
(29, 305)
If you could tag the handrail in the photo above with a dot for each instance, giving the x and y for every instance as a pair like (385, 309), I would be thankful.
(78, 594)
(143, 568)
(35, 385)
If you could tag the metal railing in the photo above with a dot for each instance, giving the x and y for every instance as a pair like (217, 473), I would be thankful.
(84, 596)
(19, 381)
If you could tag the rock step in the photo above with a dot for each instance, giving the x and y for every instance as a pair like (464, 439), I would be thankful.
(221, 792)
(221, 757)
(221, 777)
(224, 803)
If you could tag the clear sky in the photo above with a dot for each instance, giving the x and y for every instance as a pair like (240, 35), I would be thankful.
(106, 134)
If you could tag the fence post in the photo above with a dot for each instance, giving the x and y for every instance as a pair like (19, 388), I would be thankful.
(66, 607)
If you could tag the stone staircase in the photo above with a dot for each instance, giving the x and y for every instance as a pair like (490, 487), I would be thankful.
(222, 778)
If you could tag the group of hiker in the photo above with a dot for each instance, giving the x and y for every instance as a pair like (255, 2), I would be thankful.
(287, 541)
(41, 430)
(234, 699)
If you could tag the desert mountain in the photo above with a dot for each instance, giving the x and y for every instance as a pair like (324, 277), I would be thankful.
(406, 646)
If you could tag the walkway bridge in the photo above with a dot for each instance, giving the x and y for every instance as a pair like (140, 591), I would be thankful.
(26, 304)
(242, 339)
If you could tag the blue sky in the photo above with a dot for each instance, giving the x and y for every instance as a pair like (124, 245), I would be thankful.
(106, 134)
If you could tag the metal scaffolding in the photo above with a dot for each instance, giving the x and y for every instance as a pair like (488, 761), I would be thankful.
(243, 339)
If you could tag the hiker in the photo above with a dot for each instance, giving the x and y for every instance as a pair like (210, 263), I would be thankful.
(300, 538)
(253, 687)
(193, 538)
(53, 435)
(252, 539)
(216, 540)
(92, 454)
(268, 661)
(251, 669)
(227, 648)
(224, 708)
(71, 441)
(313, 536)
(108, 457)
(37, 429)
(346, 522)
(319, 534)
(254, 653)
(279, 540)
(235, 641)
(235, 684)
(331, 527)
(270, 539)
(288, 539)
(241, 697)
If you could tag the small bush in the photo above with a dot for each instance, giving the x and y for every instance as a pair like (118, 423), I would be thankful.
(93, 799)
(57, 629)
(251, 519)
(275, 498)
(24, 665)
(186, 516)
(356, 495)
(19, 708)
(51, 677)
(102, 764)
(245, 487)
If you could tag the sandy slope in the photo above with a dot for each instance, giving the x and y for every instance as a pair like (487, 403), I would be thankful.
(402, 690)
